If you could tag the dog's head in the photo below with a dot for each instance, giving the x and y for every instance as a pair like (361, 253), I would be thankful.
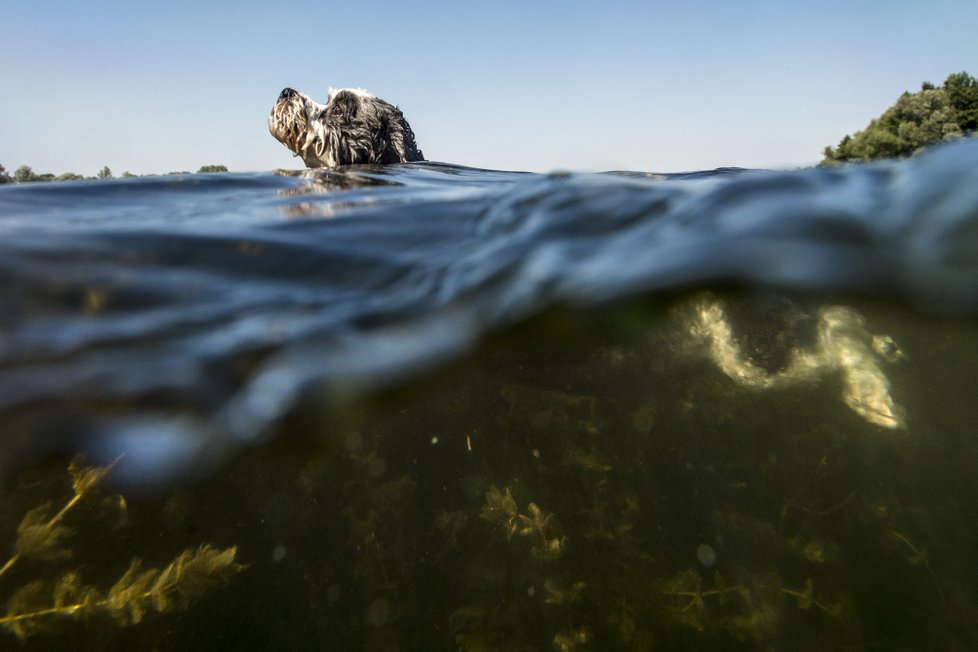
(352, 127)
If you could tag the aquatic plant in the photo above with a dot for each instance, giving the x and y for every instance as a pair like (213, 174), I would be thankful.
(918, 556)
(540, 527)
(42, 536)
(572, 640)
(172, 589)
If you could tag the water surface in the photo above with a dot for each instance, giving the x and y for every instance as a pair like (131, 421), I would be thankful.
(437, 407)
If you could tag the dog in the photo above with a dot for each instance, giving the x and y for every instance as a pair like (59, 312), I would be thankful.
(352, 127)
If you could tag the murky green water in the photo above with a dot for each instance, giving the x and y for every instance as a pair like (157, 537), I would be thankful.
(589, 481)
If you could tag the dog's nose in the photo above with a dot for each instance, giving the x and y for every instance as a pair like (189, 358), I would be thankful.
(286, 94)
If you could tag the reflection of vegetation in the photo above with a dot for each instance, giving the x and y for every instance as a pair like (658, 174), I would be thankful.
(916, 120)
(42, 536)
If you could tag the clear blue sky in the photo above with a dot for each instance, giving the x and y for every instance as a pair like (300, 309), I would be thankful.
(658, 86)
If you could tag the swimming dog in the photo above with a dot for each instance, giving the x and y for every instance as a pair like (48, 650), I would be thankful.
(352, 127)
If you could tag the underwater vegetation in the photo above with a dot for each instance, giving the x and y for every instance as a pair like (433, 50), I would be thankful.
(44, 535)
(669, 490)
(671, 475)
(538, 526)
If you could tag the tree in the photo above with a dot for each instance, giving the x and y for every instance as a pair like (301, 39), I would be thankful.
(4, 177)
(212, 168)
(962, 93)
(916, 120)
(104, 173)
(24, 174)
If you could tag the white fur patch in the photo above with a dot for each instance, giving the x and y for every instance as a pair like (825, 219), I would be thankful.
(356, 91)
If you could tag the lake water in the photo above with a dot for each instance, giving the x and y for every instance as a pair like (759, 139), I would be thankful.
(427, 407)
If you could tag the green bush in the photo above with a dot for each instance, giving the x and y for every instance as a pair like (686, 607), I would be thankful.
(915, 121)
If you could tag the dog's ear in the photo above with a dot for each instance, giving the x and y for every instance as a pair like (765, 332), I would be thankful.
(343, 106)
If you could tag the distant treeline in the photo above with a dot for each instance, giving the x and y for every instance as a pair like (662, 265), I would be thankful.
(24, 174)
(932, 114)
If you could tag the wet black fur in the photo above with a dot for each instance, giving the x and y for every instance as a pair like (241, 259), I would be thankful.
(355, 128)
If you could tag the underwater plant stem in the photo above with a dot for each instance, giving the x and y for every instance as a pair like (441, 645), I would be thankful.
(51, 523)
(9, 564)
(54, 520)
(70, 609)
(696, 597)
(136, 593)
(806, 596)
(64, 510)
(67, 610)
(918, 556)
